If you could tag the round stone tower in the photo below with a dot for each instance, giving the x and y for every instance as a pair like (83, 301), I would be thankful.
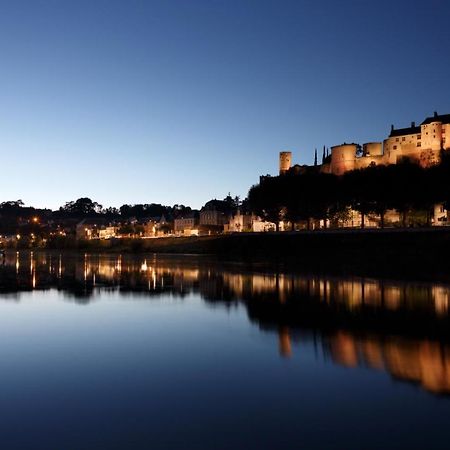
(343, 158)
(285, 162)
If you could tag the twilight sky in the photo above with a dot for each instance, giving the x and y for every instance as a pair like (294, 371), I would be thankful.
(180, 101)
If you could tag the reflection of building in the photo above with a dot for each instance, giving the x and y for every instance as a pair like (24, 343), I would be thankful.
(424, 362)
(284, 342)
(399, 327)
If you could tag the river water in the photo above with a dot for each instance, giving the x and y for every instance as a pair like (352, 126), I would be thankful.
(151, 352)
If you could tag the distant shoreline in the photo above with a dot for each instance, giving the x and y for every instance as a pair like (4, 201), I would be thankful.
(422, 253)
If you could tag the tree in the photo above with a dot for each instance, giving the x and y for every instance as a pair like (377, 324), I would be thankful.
(267, 199)
(82, 207)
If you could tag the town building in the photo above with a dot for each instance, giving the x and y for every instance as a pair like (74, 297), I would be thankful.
(241, 222)
(214, 215)
(95, 229)
(187, 225)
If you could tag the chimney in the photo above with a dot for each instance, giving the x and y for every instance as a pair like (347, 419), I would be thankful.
(435, 114)
(392, 128)
(413, 124)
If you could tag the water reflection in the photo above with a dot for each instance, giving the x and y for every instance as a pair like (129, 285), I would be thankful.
(398, 327)
(419, 361)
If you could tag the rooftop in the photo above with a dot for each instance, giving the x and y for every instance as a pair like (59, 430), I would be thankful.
(403, 131)
(443, 118)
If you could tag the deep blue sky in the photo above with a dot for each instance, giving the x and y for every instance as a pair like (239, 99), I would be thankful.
(181, 101)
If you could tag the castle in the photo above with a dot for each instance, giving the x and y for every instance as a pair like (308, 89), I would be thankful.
(421, 144)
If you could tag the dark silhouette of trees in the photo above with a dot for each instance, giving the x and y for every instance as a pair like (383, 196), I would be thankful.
(11, 206)
(82, 207)
(140, 211)
(268, 199)
(314, 196)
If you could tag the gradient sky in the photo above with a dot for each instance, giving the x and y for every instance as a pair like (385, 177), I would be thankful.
(180, 101)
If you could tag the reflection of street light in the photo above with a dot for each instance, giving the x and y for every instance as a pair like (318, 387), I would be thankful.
(18, 236)
(35, 219)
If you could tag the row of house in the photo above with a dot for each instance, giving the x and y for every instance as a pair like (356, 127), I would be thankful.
(215, 217)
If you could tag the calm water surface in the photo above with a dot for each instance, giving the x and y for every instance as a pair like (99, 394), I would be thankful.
(114, 352)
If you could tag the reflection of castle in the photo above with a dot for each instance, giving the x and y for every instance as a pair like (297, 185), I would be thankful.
(420, 361)
(418, 143)
(424, 362)
(402, 328)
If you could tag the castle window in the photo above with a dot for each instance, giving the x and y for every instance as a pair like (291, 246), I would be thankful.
(418, 144)
(397, 139)
(403, 138)
(419, 136)
(395, 147)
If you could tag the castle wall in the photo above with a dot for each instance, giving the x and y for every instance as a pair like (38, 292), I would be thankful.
(366, 161)
(373, 149)
(421, 144)
(432, 136)
(446, 136)
(398, 146)
(325, 168)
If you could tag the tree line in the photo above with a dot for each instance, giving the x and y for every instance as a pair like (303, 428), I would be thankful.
(314, 196)
(14, 214)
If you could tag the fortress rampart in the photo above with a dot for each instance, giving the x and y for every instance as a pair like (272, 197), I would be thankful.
(421, 144)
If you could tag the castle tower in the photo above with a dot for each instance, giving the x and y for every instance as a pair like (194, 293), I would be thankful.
(431, 131)
(285, 162)
(343, 158)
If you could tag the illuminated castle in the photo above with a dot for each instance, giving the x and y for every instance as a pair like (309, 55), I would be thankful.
(421, 144)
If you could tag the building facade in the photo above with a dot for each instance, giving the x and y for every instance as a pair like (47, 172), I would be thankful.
(187, 225)
(421, 144)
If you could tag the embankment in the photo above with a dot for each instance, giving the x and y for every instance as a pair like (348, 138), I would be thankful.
(423, 253)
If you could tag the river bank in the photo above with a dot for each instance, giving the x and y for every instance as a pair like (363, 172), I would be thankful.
(422, 253)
